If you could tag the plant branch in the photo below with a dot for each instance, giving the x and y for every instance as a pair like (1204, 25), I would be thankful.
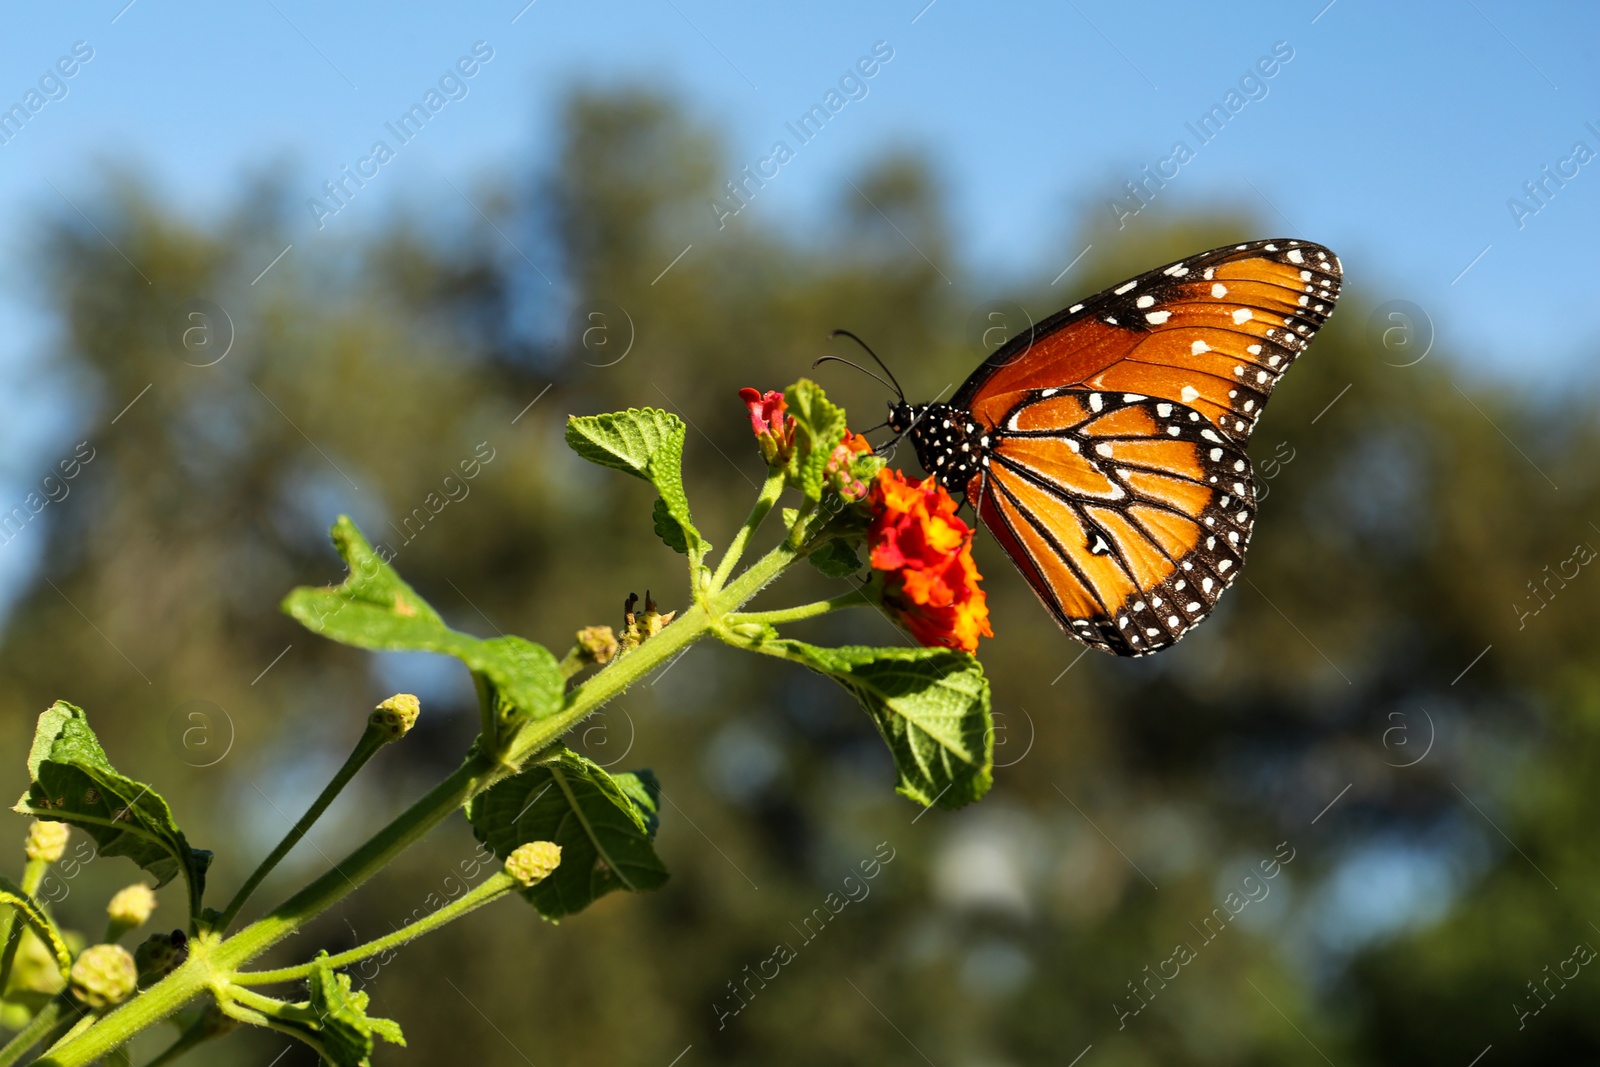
(852, 599)
(372, 739)
(771, 490)
(491, 889)
(30, 1035)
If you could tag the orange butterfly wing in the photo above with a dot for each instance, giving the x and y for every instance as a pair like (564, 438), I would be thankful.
(1116, 476)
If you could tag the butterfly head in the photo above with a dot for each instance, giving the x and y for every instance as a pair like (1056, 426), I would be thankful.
(902, 416)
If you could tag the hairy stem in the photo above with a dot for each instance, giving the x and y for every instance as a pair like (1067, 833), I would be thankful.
(492, 888)
(771, 490)
(852, 599)
(30, 1035)
(372, 739)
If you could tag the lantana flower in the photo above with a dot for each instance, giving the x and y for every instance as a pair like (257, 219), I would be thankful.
(924, 551)
(839, 474)
(774, 429)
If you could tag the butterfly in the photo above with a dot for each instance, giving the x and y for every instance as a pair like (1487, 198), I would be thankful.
(1104, 448)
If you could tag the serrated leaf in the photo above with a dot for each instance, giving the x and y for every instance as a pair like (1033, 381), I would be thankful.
(524, 673)
(374, 609)
(604, 824)
(665, 471)
(335, 1021)
(819, 427)
(837, 559)
(646, 443)
(932, 707)
(12, 896)
(74, 783)
(669, 529)
(624, 440)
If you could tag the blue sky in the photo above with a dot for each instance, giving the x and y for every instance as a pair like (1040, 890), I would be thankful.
(1396, 134)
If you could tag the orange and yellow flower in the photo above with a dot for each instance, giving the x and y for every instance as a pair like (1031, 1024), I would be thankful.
(924, 550)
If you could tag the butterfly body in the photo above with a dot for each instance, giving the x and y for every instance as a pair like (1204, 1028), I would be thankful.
(1105, 447)
(949, 443)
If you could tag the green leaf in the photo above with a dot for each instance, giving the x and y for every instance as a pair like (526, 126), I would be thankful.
(665, 471)
(836, 559)
(374, 609)
(624, 440)
(74, 783)
(669, 529)
(646, 443)
(603, 823)
(932, 707)
(13, 896)
(335, 1021)
(819, 427)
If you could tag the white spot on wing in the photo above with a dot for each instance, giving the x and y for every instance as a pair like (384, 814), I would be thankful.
(1242, 315)
(1189, 393)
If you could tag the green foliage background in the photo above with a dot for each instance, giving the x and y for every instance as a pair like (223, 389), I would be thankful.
(1387, 556)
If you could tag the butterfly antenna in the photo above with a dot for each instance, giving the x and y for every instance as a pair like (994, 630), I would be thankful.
(857, 366)
(901, 393)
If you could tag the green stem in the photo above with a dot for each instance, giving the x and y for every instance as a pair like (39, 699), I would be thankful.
(251, 999)
(146, 1009)
(572, 663)
(771, 490)
(852, 599)
(471, 778)
(76, 1028)
(797, 532)
(34, 1032)
(492, 888)
(209, 961)
(32, 874)
(372, 739)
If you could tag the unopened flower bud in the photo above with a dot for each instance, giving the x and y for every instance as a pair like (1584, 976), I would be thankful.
(397, 715)
(104, 976)
(159, 955)
(47, 840)
(130, 908)
(532, 863)
(597, 644)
